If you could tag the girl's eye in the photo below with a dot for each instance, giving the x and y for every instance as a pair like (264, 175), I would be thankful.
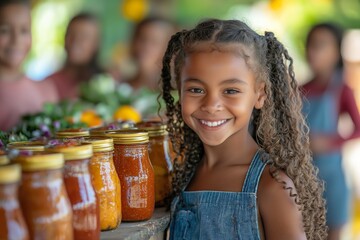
(231, 91)
(196, 90)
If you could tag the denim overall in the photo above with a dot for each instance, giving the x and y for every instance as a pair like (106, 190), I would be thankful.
(219, 215)
(322, 114)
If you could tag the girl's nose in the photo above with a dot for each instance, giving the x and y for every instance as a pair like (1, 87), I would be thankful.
(211, 104)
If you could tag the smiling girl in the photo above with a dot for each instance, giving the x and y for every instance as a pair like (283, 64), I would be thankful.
(243, 169)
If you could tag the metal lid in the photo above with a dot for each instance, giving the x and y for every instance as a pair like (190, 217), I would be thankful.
(100, 144)
(154, 128)
(40, 161)
(72, 133)
(10, 173)
(27, 145)
(72, 150)
(129, 136)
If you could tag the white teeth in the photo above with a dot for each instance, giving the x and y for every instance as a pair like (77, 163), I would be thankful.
(212, 124)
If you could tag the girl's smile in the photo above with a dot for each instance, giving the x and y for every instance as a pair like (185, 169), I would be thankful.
(218, 95)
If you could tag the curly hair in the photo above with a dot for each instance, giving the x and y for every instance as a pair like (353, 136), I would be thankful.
(278, 127)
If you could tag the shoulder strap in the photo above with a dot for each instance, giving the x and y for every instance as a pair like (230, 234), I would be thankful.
(254, 172)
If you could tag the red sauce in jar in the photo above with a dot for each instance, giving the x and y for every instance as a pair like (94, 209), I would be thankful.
(79, 187)
(136, 174)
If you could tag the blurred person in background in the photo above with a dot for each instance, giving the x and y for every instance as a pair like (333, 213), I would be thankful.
(327, 96)
(148, 46)
(82, 41)
(18, 94)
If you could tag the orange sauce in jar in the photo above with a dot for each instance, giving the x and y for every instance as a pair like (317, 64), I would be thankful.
(160, 157)
(43, 196)
(135, 172)
(79, 187)
(11, 218)
(105, 181)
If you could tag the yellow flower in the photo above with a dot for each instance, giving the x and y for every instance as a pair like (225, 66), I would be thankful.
(135, 10)
(127, 113)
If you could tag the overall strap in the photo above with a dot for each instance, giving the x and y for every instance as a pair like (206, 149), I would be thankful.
(254, 172)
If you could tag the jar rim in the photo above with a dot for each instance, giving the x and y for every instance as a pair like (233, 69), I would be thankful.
(73, 152)
(27, 145)
(154, 128)
(129, 136)
(68, 133)
(40, 161)
(100, 143)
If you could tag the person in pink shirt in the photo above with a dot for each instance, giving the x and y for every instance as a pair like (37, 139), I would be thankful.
(18, 94)
(82, 46)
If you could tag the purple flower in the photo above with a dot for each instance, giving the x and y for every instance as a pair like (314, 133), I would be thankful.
(1, 144)
(56, 124)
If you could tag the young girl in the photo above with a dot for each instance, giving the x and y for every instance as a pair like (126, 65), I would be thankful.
(229, 183)
(327, 97)
(82, 46)
(18, 94)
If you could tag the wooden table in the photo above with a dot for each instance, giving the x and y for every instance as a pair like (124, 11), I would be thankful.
(153, 228)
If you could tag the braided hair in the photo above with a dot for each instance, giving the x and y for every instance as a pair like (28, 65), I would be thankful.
(278, 127)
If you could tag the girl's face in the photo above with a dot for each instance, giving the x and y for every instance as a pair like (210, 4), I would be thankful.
(15, 34)
(218, 94)
(322, 51)
(81, 41)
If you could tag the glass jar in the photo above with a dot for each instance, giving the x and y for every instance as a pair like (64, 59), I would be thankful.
(133, 166)
(36, 146)
(86, 222)
(43, 196)
(159, 152)
(105, 181)
(11, 218)
(72, 133)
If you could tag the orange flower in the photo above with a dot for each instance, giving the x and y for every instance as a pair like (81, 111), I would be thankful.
(90, 118)
(127, 113)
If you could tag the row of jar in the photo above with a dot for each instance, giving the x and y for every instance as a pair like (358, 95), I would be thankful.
(102, 181)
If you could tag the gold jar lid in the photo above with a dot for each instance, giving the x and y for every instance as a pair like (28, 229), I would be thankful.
(72, 133)
(154, 128)
(100, 144)
(10, 173)
(27, 145)
(4, 160)
(72, 150)
(99, 131)
(40, 161)
(129, 136)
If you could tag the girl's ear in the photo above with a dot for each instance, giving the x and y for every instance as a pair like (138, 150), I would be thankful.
(261, 95)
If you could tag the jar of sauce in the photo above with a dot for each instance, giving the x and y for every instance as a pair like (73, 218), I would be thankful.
(79, 187)
(135, 172)
(160, 157)
(43, 196)
(11, 218)
(105, 181)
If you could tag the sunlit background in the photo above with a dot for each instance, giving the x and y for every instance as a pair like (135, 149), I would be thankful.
(289, 19)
